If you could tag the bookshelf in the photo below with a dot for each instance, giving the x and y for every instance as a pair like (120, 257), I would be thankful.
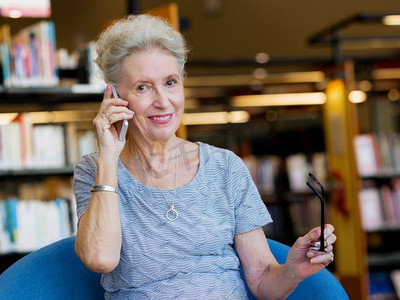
(362, 150)
(45, 126)
(36, 181)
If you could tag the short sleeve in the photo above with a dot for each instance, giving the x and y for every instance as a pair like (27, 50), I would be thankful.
(84, 177)
(250, 210)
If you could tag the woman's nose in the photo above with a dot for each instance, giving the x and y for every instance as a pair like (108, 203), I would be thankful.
(161, 98)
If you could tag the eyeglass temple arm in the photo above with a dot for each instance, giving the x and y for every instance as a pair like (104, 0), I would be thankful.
(321, 197)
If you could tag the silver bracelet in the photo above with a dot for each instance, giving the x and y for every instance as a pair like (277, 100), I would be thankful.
(103, 188)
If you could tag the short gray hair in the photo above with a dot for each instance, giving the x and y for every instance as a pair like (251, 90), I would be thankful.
(137, 33)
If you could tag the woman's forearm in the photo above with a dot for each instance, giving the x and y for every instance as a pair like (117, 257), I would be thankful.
(277, 283)
(98, 240)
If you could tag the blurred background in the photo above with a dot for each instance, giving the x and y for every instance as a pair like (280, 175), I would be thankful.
(292, 87)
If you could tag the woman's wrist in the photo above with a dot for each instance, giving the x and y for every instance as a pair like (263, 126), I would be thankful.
(107, 171)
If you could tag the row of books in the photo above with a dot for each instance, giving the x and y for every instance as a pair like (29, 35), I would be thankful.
(266, 171)
(27, 225)
(377, 154)
(380, 206)
(305, 213)
(24, 145)
(384, 285)
(301, 212)
(28, 58)
(88, 71)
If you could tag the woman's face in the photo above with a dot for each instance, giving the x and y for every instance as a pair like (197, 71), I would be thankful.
(153, 86)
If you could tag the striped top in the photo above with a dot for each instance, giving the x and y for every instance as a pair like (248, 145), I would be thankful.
(192, 257)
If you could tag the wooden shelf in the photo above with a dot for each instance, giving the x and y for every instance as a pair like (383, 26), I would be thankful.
(381, 260)
(65, 171)
(47, 98)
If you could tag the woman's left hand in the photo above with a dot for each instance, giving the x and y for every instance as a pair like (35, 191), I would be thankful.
(306, 262)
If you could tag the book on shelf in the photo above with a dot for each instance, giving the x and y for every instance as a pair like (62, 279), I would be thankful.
(381, 286)
(5, 46)
(395, 278)
(72, 147)
(377, 154)
(25, 132)
(48, 146)
(389, 206)
(27, 225)
(372, 217)
(380, 206)
(87, 142)
(10, 146)
(266, 169)
(395, 184)
(5, 230)
(367, 155)
(88, 71)
(305, 212)
(24, 145)
(297, 169)
(28, 57)
(299, 166)
(387, 160)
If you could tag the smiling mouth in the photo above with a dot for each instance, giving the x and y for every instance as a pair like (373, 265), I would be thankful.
(162, 118)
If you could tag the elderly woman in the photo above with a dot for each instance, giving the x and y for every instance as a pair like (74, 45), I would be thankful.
(161, 217)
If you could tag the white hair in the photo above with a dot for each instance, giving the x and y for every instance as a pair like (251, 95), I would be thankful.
(137, 33)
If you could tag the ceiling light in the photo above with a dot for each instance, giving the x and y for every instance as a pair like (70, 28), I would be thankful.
(391, 20)
(279, 99)
(246, 79)
(262, 58)
(386, 73)
(365, 85)
(393, 95)
(260, 73)
(15, 14)
(219, 117)
(357, 96)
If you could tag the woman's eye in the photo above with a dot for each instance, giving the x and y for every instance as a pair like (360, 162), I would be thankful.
(170, 82)
(142, 89)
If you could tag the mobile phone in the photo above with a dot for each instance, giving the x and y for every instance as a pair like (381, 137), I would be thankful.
(124, 126)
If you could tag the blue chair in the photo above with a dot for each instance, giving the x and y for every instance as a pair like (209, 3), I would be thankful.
(55, 272)
(322, 285)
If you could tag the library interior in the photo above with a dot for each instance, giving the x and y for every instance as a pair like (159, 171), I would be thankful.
(292, 87)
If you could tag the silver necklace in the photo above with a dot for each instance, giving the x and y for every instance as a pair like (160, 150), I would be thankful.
(172, 213)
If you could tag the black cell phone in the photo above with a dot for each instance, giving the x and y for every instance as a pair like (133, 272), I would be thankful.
(123, 126)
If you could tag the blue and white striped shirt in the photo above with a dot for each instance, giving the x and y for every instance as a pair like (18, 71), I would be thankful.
(192, 257)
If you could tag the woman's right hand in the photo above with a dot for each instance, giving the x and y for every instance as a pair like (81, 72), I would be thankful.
(112, 110)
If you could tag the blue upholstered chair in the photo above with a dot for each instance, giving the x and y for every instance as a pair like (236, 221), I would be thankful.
(55, 272)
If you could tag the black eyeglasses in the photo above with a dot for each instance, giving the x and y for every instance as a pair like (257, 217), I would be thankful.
(321, 195)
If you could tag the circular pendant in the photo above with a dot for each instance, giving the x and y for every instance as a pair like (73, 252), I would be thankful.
(172, 213)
